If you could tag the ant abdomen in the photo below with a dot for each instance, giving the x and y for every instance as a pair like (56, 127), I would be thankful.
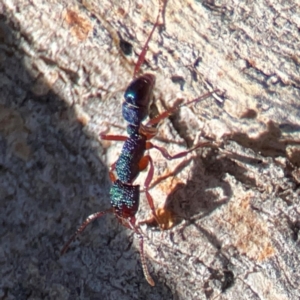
(124, 198)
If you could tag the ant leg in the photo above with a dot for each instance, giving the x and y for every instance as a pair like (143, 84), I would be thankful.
(147, 184)
(112, 176)
(108, 137)
(146, 190)
(145, 48)
(131, 224)
(143, 262)
(81, 228)
(168, 156)
(170, 111)
(111, 137)
(148, 131)
(163, 217)
(143, 163)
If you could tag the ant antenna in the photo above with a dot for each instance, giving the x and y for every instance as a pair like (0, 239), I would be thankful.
(145, 48)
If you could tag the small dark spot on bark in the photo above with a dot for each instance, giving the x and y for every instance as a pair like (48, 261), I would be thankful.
(179, 80)
(126, 47)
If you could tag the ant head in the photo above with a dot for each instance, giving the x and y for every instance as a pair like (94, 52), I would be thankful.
(139, 90)
(137, 99)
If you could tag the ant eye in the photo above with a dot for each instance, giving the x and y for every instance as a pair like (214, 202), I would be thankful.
(129, 97)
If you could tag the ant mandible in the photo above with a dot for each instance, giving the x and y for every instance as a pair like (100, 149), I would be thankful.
(124, 195)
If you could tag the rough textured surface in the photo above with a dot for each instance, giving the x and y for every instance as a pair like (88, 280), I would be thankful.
(62, 78)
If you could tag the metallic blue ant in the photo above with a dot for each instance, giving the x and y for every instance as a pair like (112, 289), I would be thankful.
(124, 194)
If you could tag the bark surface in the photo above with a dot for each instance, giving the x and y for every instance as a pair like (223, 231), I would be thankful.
(64, 67)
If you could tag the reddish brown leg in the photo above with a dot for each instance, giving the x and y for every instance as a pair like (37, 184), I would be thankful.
(111, 137)
(149, 132)
(143, 163)
(112, 176)
(170, 111)
(88, 220)
(168, 156)
(107, 137)
(147, 186)
(143, 262)
(142, 55)
(131, 224)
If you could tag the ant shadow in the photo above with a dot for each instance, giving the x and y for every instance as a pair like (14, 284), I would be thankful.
(272, 143)
(197, 199)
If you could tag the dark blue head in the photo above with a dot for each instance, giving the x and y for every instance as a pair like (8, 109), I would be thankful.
(137, 99)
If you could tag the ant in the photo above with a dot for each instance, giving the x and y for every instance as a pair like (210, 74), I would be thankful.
(124, 195)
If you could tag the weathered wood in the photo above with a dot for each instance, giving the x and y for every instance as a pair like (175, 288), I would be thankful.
(62, 80)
